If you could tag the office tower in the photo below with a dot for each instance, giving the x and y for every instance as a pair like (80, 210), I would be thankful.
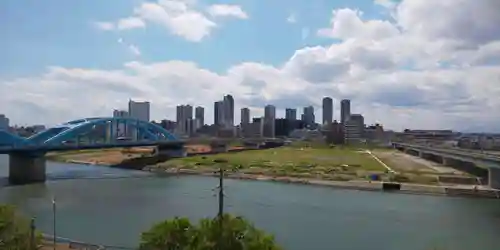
(308, 116)
(219, 113)
(245, 116)
(345, 110)
(327, 110)
(200, 115)
(269, 117)
(139, 110)
(228, 111)
(291, 114)
(120, 128)
(184, 117)
(4, 122)
(354, 128)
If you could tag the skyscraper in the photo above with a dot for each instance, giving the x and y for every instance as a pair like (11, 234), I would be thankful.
(219, 113)
(327, 110)
(245, 116)
(228, 111)
(345, 110)
(4, 122)
(139, 111)
(184, 117)
(269, 118)
(199, 114)
(291, 114)
(308, 116)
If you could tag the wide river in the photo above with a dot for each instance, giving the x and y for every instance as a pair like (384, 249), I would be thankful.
(112, 206)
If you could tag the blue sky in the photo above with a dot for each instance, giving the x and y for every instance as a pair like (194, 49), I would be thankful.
(59, 32)
(405, 63)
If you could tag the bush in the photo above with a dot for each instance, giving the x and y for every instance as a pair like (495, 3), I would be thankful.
(180, 234)
(15, 230)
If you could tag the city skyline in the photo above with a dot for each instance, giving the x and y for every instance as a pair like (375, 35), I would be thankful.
(388, 57)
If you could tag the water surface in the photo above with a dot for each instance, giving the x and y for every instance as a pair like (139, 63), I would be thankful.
(112, 206)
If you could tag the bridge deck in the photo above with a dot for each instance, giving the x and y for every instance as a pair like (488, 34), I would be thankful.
(51, 148)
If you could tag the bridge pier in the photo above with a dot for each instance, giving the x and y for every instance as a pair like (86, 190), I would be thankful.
(494, 178)
(171, 151)
(25, 168)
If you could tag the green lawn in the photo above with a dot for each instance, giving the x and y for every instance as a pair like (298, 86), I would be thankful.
(322, 163)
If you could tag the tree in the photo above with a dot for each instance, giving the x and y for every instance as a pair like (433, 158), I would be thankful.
(179, 234)
(15, 230)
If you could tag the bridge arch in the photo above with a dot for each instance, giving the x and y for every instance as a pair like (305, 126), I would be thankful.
(72, 129)
(9, 139)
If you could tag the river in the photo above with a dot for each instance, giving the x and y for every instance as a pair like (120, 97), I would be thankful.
(112, 206)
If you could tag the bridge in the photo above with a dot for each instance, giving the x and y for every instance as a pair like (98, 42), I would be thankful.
(27, 155)
(473, 162)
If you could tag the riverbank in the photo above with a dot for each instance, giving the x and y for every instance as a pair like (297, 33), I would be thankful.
(341, 168)
(380, 186)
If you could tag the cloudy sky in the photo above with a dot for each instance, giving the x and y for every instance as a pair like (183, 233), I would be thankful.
(407, 64)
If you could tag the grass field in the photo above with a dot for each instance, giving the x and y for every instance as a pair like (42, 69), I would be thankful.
(322, 163)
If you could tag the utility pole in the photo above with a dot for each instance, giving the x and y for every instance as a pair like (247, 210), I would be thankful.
(54, 222)
(221, 194)
(32, 245)
(220, 214)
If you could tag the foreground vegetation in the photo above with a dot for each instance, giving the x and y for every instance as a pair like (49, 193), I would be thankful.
(234, 233)
(229, 232)
(15, 230)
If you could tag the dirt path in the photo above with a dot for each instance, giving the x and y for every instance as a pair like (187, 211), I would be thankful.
(405, 162)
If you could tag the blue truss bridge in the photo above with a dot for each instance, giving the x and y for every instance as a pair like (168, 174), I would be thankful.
(27, 155)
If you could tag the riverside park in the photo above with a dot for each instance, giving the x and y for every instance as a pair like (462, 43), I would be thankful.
(299, 162)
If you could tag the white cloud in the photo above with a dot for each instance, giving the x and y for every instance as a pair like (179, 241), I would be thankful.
(180, 17)
(227, 10)
(134, 49)
(421, 70)
(131, 47)
(130, 23)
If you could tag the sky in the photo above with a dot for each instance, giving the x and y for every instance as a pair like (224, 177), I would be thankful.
(418, 64)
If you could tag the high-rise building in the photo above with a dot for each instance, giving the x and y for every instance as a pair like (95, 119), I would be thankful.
(4, 122)
(308, 116)
(120, 129)
(228, 111)
(219, 113)
(354, 129)
(199, 114)
(269, 121)
(245, 116)
(345, 110)
(139, 110)
(291, 114)
(327, 110)
(184, 117)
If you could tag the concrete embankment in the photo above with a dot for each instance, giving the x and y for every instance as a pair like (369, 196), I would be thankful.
(401, 188)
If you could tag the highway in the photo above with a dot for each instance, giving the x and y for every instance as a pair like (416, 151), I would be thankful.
(467, 154)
